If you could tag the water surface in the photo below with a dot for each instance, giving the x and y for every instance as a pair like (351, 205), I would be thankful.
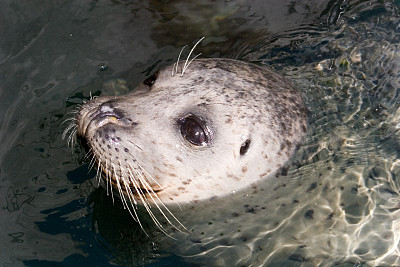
(343, 56)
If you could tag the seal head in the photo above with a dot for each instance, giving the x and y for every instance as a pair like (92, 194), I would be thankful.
(219, 127)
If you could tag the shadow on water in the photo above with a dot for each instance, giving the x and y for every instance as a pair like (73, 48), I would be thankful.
(130, 245)
(73, 220)
(54, 56)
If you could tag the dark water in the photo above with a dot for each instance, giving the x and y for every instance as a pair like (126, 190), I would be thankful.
(54, 54)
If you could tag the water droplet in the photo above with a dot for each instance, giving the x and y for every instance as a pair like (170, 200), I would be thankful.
(103, 67)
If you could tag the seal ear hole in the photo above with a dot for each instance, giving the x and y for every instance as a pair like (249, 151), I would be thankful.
(151, 80)
(244, 147)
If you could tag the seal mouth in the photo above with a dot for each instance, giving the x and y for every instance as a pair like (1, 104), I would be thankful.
(141, 193)
(129, 188)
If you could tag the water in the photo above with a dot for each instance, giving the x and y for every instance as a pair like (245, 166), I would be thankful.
(343, 56)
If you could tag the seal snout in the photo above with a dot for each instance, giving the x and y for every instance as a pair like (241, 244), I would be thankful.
(96, 115)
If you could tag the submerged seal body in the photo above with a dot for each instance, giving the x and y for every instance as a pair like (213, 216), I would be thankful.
(215, 128)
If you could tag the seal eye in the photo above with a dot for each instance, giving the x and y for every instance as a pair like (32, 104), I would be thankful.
(151, 80)
(244, 147)
(193, 130)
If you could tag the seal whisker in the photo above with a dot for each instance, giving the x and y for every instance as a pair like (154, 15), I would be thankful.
(146, 204)
(110, 180)
(128, 189)
(72, 127)
(149, 187)
(175, 66)
(132, 205)
(92, 162)
(88, 154)
(117, 179)
(133, 180)
(72, 137)
(106, 175)
(69, 119)
(190, 62)
(69, 127)
(139, 163)
(190, 53)
(141, 149)
(139, 178)
(74, 111)
(98, 173)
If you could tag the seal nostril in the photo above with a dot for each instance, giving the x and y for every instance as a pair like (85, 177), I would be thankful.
(244, 147)
(108, 110)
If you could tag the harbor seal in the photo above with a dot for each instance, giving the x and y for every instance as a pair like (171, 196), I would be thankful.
(193, 131)
(210, 147)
